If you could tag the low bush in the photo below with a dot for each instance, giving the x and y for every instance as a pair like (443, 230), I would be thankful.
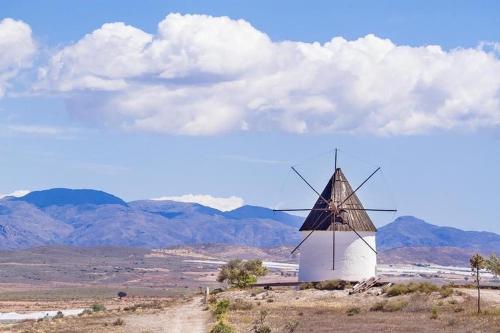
(389, 306)
(291, 326)
(330, 285)
(58, 315)
(306, 285)
(403, 289)
(394, 306)
(379, 306)
(221, 327)
(434, 313)
(326, 285)
(260, 325)
(97, 307)
(221, 308)
(445, 291)
(240, 304)
(353, 311)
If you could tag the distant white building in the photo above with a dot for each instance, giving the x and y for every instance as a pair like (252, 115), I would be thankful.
(343, 248)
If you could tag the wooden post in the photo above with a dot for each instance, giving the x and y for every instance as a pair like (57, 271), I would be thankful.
(207, 295)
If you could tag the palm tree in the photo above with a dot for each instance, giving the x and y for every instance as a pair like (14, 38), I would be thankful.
(477, 263)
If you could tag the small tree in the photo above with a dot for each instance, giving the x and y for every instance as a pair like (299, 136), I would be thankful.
(122, 294)
(493, 265)
(476, 264)
(241, 274)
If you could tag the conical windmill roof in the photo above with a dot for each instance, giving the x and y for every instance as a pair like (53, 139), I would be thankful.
(357, 219)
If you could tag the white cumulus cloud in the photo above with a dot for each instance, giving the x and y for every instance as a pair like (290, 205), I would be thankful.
(220, 203)
(17, 49)
(18, 193)
(203, 75)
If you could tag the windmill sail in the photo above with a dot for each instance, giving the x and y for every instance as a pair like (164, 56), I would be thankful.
(357, 219)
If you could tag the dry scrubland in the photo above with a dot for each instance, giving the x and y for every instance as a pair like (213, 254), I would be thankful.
(161, 288)
(421, 310)
(418, 308)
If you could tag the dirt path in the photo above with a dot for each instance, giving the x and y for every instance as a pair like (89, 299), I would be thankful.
(183, 318)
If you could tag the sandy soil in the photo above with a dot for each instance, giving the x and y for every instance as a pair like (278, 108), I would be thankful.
(186, 317)
(487, 295)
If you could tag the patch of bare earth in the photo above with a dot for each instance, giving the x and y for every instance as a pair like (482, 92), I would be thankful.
(329, 311)
(152, 317)
(187, 317)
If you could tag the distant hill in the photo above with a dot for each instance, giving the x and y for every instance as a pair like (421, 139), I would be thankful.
(255, 212)
(95, 218)
(65, 196)
(409, 231)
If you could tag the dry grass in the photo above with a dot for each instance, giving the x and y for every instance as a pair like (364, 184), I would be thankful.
(319, 311)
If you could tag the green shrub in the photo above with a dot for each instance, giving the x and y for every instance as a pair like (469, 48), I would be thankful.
(97, 307)
(353, 311)
(241, 274)
(221, 327)
(221, 308)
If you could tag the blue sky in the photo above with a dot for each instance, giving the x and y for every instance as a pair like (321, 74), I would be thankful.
(73, 115)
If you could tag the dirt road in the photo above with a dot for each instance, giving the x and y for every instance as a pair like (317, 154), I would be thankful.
(183, 318)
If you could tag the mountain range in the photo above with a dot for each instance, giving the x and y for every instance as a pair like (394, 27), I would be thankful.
(95, 218)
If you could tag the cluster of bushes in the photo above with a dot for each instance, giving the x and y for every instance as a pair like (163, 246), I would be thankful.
(422, 287)
(220, 309)
(326, 285)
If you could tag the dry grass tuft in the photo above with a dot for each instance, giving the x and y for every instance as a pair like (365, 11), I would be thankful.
(240, 304)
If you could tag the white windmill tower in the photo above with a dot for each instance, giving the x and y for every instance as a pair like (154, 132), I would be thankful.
(338, 236)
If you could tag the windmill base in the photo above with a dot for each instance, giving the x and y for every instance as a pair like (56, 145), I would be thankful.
(354, 260)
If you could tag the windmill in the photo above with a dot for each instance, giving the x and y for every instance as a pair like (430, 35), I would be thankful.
(338, 218)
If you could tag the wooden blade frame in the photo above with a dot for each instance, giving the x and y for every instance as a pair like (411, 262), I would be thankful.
(333, 216)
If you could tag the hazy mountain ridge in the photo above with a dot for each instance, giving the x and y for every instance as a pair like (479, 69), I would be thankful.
(409, 231)
(95, 218)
